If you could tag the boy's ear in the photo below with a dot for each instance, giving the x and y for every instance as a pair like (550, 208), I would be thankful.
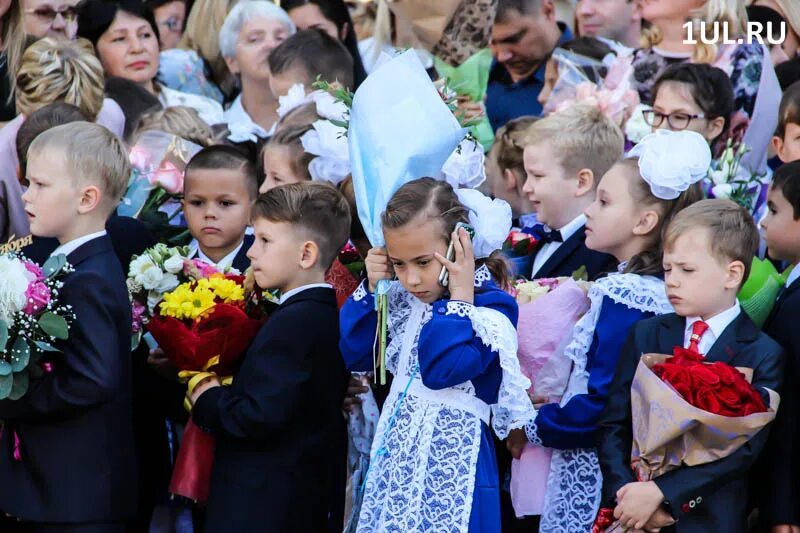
(715, 127)
(777, 146)
(510, 180)
(648, 221)
(309, 255)
(735, 275)
(90, 199)
(585, 182)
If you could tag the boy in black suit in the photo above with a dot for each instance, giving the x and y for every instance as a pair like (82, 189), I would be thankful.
(76, 467)
(219, 189)
(779, 487)
(709, 247)
(281, 436)
(565, 156)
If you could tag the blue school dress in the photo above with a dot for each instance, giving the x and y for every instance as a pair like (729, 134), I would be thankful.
(574, 485)
(433, 465)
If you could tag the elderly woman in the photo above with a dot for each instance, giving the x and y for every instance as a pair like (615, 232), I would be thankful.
(125, 36)
(55, 18)
(250, 32)
(52, 70)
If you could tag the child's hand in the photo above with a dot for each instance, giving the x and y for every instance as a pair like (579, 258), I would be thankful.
(161, 365)
(378, 267)
(462, 270)
(208, 383)
(516, 442)
(659, 520)
(355, 387)
(636, 503)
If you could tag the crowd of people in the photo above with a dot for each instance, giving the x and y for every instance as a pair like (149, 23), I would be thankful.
(400, 182)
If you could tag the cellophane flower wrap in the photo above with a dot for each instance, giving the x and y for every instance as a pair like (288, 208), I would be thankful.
(204, 320)
(687, 412)
(158, 160)
(729, 179)
(32, 320)
(548, 311)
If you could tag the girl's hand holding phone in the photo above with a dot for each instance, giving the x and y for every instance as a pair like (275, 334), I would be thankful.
(462, 269)
(378, 267)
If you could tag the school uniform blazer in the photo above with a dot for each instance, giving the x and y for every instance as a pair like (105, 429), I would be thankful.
(707, 497)
(241, 262)
(78, 462)
(777, 476)
(281, 437)
(569, 257)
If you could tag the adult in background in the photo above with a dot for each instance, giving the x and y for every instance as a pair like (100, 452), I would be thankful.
(12, 44)
(170, 17)
(56, 18)
(125, 35)
(332, 17)
(197, 66)
(250, 32)
(524, 34)
(619, 21)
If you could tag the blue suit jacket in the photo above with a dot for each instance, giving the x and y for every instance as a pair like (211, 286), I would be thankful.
(74, 424)
(569, 257)
(707, 497)
(281, 437)
(778, 473)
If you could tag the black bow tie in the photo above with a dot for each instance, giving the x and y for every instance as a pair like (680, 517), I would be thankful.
(545, 234)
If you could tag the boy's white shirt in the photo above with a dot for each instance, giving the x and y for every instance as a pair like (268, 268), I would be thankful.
(70, 246)
(547, 251)
(223, 264)
(288, 294)
(716, 325)
(793, 275)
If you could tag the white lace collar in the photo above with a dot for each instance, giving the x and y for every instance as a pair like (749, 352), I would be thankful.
(482, 275)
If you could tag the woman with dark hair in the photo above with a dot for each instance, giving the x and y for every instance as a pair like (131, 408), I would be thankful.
(125, 35)
(170, 15)
(332, 17)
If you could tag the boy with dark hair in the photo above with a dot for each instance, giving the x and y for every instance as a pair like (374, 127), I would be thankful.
(281, 438)
(306, 55)
(786, 141)
(779, 496)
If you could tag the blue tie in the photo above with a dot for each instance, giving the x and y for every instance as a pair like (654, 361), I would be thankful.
(545, 234)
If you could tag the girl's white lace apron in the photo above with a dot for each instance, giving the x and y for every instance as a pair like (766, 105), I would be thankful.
(422, 471)
(575, 482)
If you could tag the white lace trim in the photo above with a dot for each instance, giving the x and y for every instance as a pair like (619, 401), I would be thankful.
(513, 408)
(532, 432)
(361, 291)
(575, 481)
(456, 307)
(482, 275)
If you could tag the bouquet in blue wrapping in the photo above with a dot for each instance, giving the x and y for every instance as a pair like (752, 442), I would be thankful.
(400, 129)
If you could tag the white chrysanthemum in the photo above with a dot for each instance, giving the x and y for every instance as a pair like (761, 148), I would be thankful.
(14, 279)
(174, 264)
(168, 282)
(145, 272)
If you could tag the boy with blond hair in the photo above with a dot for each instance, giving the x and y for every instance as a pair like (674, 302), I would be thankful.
(565, 156)
(67, 456)
(708, 250)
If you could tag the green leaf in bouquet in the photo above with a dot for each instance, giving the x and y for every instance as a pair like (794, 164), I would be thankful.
(3, 335)
(54, 264)
(54, 326)
(6, 384)
(19, 386)
(35, 371)
(20, 354)
(5, 368)
(136, 339)
(46, 346)
(581, 274)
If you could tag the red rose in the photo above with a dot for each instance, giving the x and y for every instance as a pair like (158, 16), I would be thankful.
(704, 376)
(684, 356)
(730, 399)
(521, 243)
(706, 399)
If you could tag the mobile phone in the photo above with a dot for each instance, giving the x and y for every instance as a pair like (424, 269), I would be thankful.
(444, 275)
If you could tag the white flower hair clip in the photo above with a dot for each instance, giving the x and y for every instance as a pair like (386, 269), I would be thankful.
(672, 161)
(328, 142)
(491, 220)
(327, 106)
(465, 166)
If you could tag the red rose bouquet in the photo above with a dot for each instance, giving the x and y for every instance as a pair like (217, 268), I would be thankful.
(689, 412)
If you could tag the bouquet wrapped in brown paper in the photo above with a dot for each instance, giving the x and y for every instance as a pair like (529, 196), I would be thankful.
(669, 431)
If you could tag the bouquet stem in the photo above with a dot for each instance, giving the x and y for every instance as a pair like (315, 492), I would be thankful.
(382, 308)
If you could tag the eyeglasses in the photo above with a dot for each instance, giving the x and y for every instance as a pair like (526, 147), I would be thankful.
(676, 121)
(172, 24)
(48, 14)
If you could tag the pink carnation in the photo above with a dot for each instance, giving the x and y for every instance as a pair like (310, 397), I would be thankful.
(37, 296)
(197, 269)
(140, 158)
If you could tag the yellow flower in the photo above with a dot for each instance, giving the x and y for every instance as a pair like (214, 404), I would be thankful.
(185, 303)
(225, 289)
